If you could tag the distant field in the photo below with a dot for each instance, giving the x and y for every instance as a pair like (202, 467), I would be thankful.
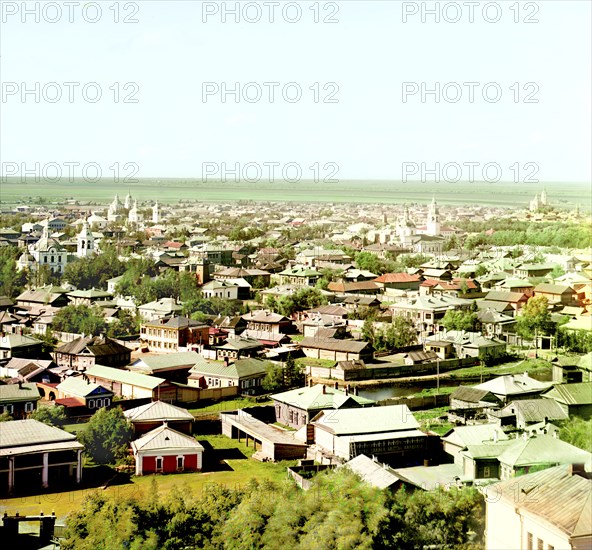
(563, 195)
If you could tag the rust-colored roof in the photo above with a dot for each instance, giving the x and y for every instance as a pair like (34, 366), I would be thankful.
(397, 278)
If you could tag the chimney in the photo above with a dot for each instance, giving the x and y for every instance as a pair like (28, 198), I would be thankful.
(324, 389)
(226, 359)
(20, 384)
(336, 385)
(347, 389)
(577, 469)
(495, 436)
(310, 382)
(356, 390)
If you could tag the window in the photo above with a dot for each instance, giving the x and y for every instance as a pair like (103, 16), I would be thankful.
(91, 403)
(540, 544)
(529, 541)
(8, 409)
(180, 463)
(550, 547)
(159, 463)
(29, 407)
(487, 471)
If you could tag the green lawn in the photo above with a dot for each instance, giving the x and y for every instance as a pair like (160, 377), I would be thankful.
(226, 461)
(313, 362)
(229, 405)
(516, 367)
(429, 420)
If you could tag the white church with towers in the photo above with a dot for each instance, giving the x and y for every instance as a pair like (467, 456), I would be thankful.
(128, 212)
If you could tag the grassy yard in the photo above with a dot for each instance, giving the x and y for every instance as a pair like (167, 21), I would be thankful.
(229, 405)
(516, 367)
(226, 462)
(430, 420)
(313, 362)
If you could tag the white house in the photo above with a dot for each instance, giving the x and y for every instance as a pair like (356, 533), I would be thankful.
(550, 509)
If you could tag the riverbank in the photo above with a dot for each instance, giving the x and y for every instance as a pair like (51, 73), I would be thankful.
(537, 368)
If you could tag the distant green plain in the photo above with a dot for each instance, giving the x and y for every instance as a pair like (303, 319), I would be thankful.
(503, 194)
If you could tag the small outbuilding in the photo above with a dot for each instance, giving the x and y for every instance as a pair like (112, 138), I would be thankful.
(167, 451)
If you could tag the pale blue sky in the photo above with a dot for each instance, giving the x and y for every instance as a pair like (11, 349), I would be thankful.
(369, 53)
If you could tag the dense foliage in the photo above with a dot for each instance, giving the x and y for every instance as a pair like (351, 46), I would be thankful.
(304, 298)
(339, 511)
(95, 271)
(80, 319)
(12, 282)
(53, 416)
(280, 377)
(578, 432)
(107, 436)
(398, 334)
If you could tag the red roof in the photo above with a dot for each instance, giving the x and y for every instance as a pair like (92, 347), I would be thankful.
(69, 402)
(397, 278)
(431, 282)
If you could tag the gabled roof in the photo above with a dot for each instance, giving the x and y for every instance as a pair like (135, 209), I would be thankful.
(315, 398)
(239, 369)
(163, 361)
(555, 495)
(262, 316)
(164, 438)
(397, 278)
(93, 345)
(571, 394)
(23, 433)
(463, 436)
(372, 472)
(510, 297)
(367, 421)
(513, 384)
(535, 410)
(12, 393)
(472, 395)
(554, 289)
(239, 343)
(157, 411)
(542, 449)
(125, 376)
(333, 344)
(77, 387)
(11, 341)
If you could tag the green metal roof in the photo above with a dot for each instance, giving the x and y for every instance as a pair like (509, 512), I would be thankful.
(125, 377)
(242, 368)
(313, 398)
(572, 394)
(11, 393)
(542, 449)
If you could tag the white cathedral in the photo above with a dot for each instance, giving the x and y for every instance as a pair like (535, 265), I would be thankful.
(119, 211)
(539, 201)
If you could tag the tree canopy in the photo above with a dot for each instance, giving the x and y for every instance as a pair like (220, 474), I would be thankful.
(107, 436)
(339, 511)
(80, 319)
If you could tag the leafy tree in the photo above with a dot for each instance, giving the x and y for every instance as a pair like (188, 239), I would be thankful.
(94, 271)
(535, 316)
(53, 416)
(423, 519)
(293, 373)
(126, 324)
(274, 378)
(12, 282)
(370, 262)
(577, 432)
(455, 319)
(5, 417)
(107, 436)
(80, 319)
(401, 333)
